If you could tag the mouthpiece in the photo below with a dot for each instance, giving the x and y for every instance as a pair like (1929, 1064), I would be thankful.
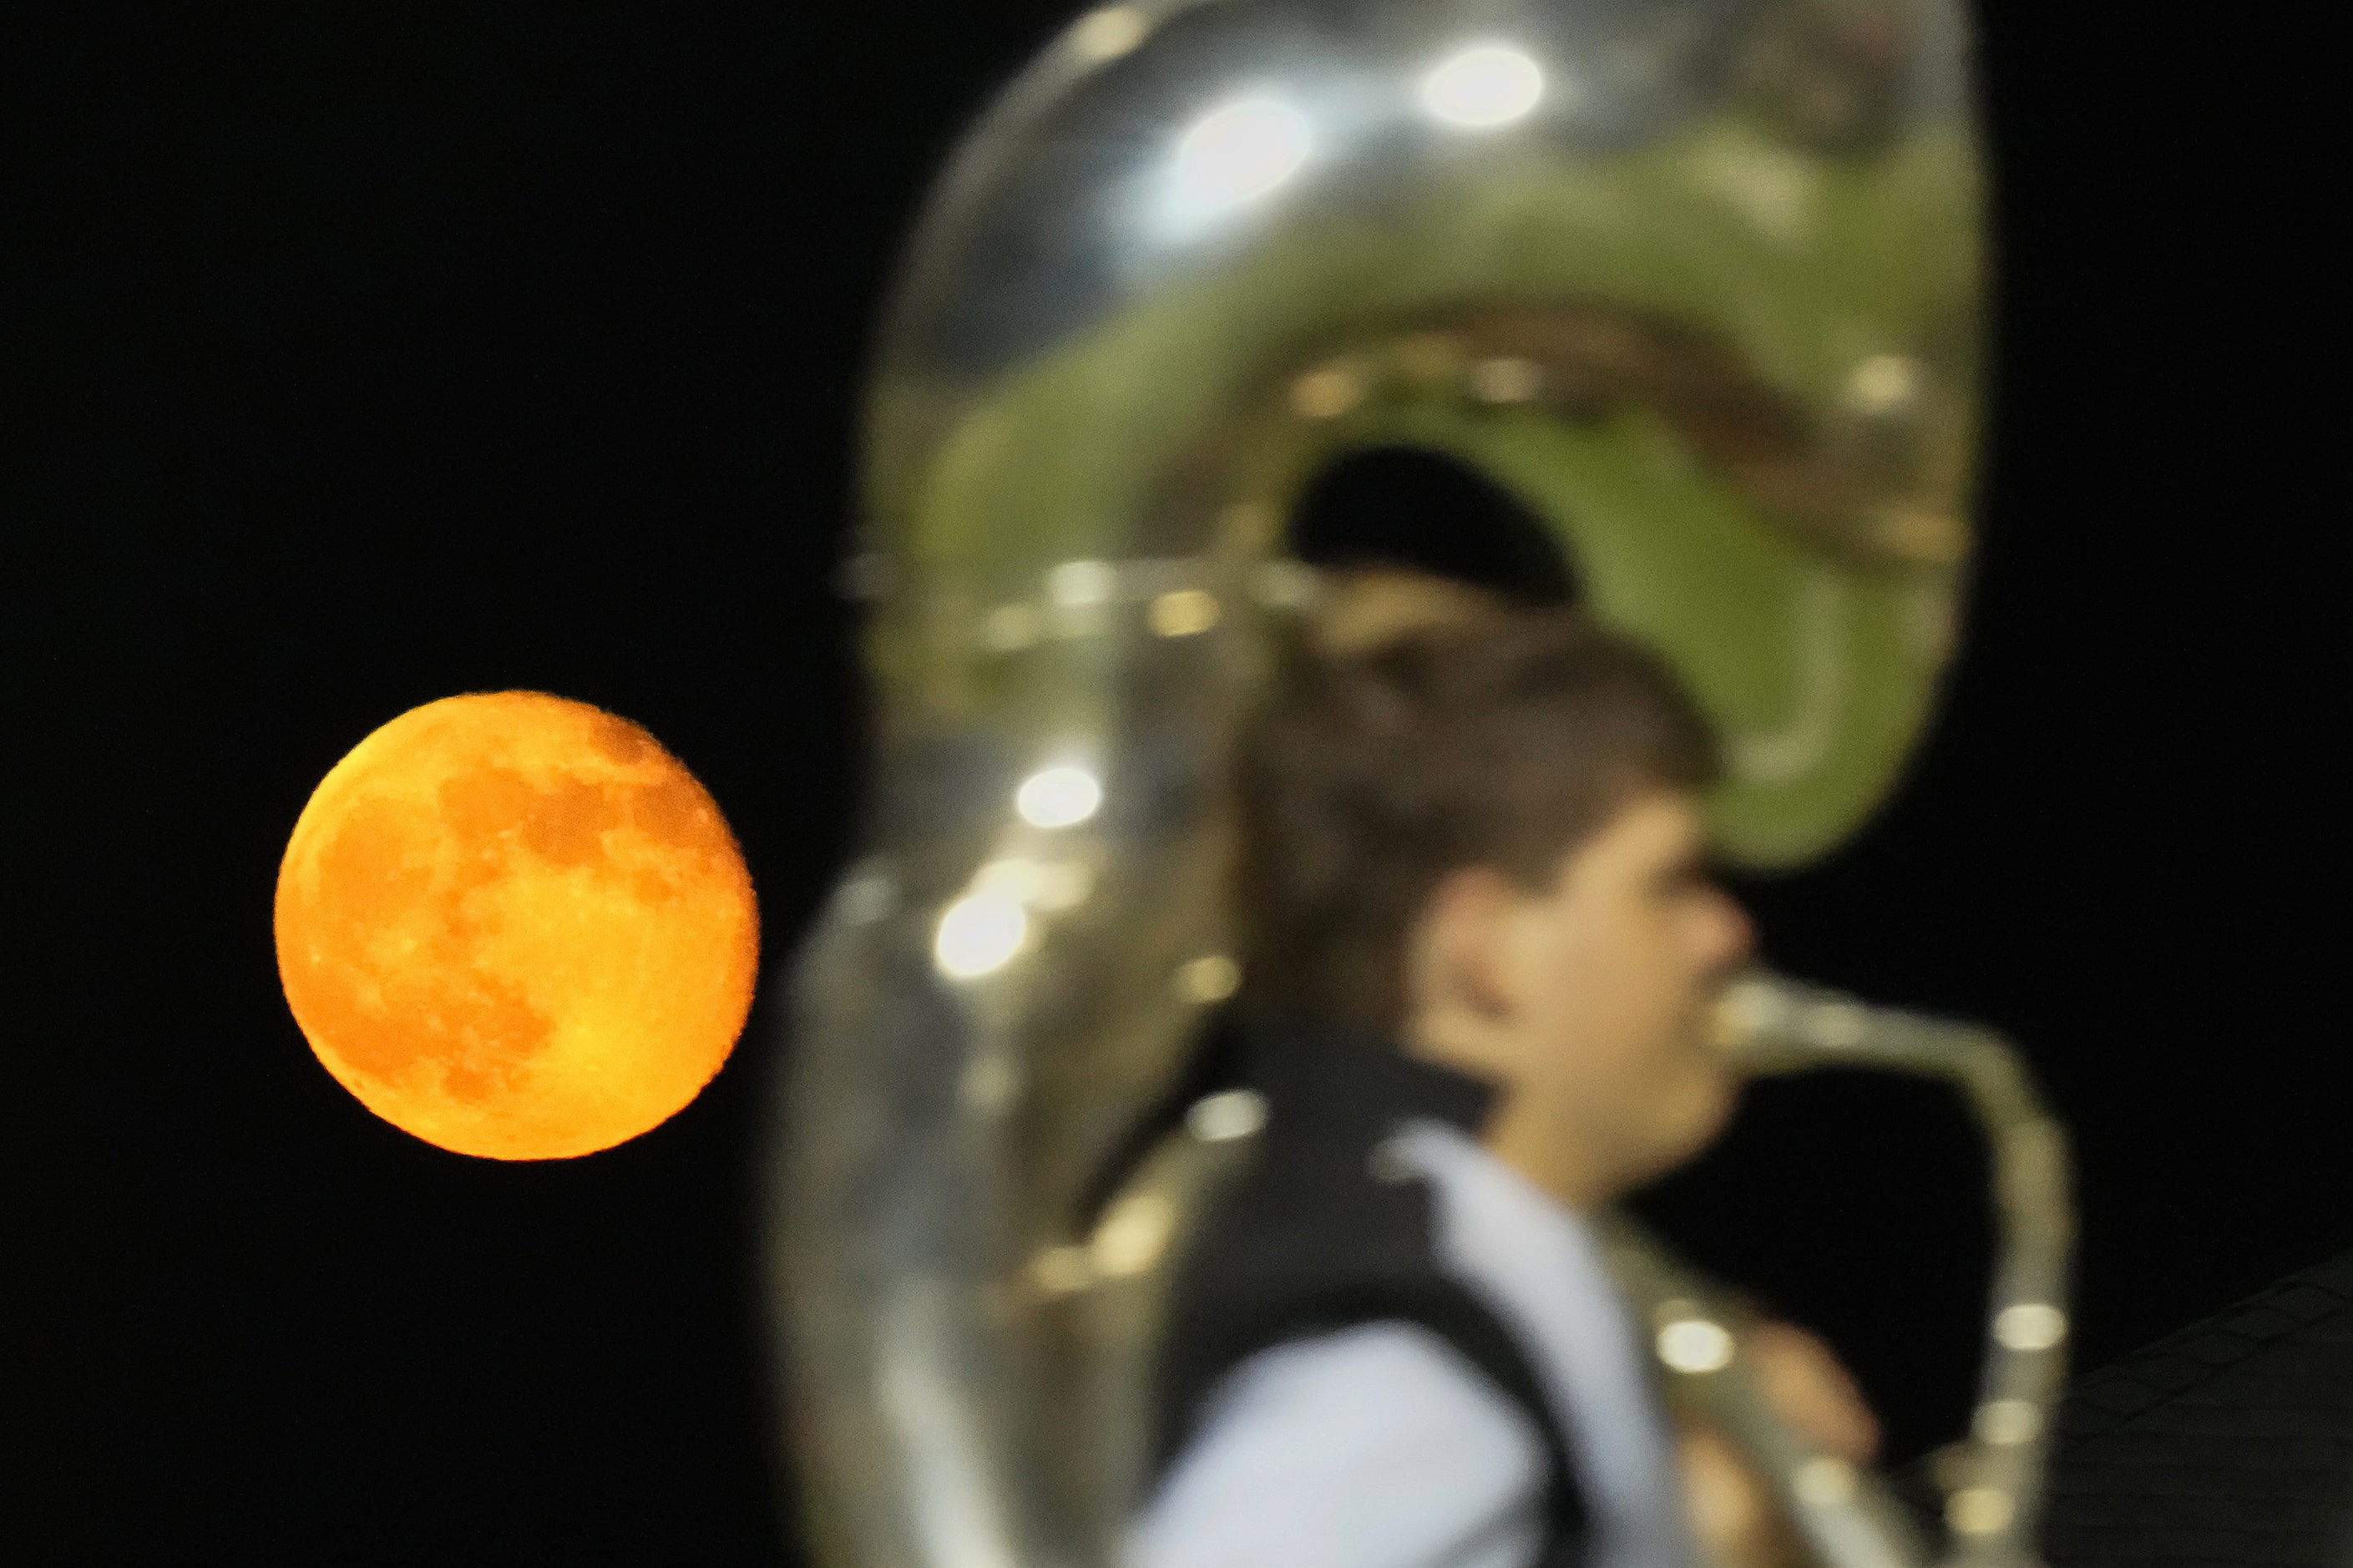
(1771, 1023)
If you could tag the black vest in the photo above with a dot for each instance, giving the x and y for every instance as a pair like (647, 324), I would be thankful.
(1314, 1237)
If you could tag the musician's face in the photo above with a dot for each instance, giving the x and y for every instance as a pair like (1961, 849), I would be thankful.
(1587, 999)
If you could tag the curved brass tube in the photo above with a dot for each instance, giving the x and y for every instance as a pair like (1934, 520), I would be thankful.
(1993, 1480)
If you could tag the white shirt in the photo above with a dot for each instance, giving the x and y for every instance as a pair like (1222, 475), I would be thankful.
(1381, 1447)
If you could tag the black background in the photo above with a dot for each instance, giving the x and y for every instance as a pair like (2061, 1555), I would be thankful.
(370, 354)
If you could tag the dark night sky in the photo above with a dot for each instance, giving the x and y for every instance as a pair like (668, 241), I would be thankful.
(368, 355)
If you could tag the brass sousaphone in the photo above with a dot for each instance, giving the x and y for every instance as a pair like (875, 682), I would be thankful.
(1698, 282)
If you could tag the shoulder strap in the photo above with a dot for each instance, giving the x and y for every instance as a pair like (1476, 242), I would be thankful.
(1456, 1315)
(1241, 1300)
(1297, 1239)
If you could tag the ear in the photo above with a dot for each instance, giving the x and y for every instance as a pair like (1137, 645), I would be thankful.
(1457, 967)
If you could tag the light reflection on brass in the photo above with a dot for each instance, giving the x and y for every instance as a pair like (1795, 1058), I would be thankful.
(1059, 797)
(1075, 584)
(1506, 380)
(1824, 1481)
(1210, 978)
(1131, 1238)
(1326, 394)
(978, 935)
(1483, 87)
(1884, 382)
(2031, 1326)
(2005, 1423)
(1183, 612)
(1694, 1345)
(1980, 1511)
(1109, 32)
(1220, 1118)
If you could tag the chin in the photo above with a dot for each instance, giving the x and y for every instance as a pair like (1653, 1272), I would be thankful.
(1706, 1111)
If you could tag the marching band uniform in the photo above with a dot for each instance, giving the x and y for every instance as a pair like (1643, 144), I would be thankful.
(1390, 1349)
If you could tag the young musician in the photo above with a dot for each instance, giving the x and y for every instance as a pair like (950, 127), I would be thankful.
(1482, 940)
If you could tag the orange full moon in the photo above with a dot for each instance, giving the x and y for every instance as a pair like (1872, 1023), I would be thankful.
(516, 927)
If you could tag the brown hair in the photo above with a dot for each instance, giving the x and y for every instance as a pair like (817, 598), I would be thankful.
(1418, 726)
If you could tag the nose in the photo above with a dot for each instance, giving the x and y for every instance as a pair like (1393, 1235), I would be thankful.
(1731, 934)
